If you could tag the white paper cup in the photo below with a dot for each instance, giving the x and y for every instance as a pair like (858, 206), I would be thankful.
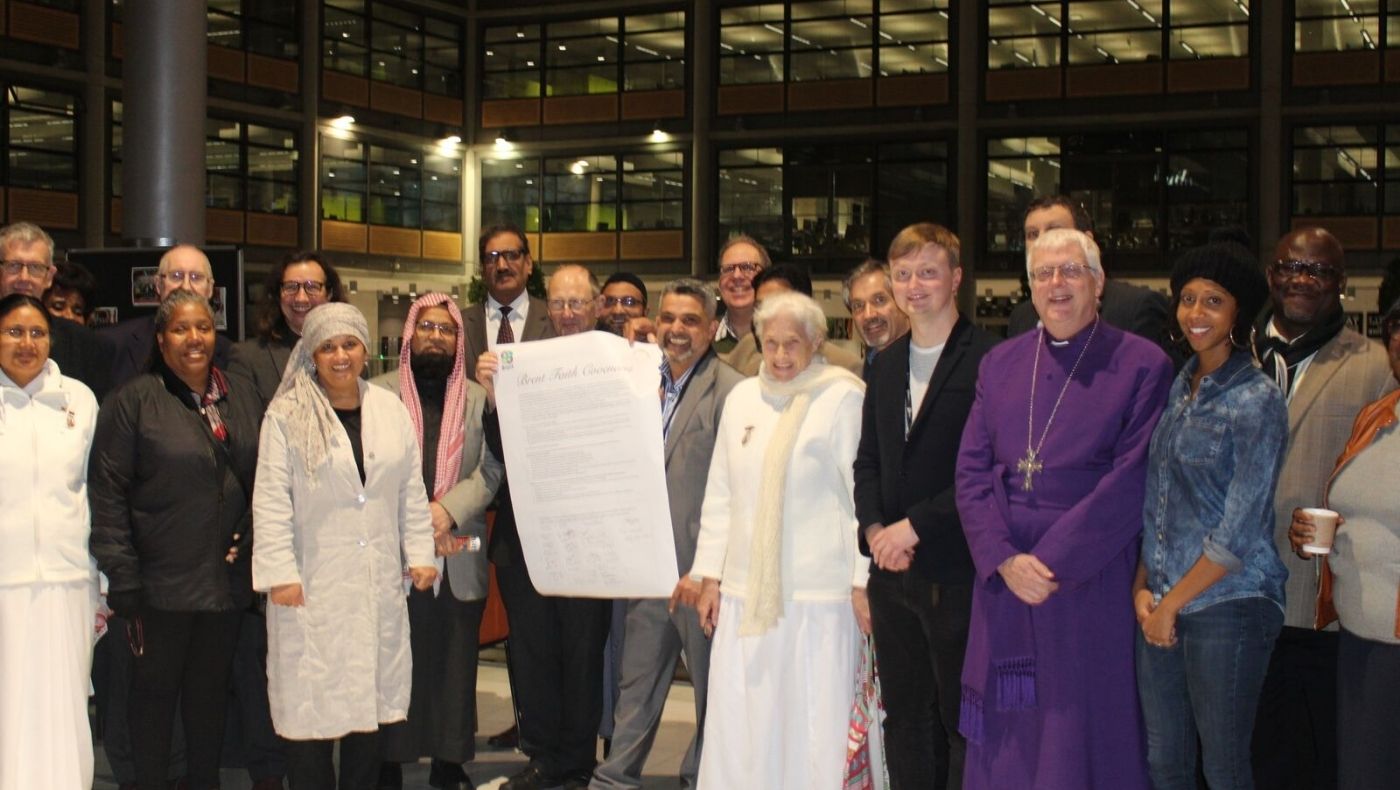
(1324, 529)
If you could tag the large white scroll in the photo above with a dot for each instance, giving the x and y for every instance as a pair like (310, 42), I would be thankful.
(581, 427)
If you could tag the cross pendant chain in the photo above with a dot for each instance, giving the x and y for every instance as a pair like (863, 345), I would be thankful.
(1028, 466)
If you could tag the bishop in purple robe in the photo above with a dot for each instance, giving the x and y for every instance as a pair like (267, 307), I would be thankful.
(1050, 486)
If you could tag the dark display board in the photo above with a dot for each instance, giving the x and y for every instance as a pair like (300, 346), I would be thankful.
(126, 284)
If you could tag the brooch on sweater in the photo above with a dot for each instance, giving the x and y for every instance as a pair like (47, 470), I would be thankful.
(72, 419)
(748, 431)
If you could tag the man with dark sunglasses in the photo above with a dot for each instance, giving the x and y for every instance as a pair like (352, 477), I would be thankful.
(1327, 372)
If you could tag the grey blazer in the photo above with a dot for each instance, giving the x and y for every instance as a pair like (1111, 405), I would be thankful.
(466, 502)
(262, 363)
(1346, 374)
(689, 445)
(537, 327)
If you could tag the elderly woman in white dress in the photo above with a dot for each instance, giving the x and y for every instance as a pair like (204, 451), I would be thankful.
(338, 507)
(48, 586)
(783, 581)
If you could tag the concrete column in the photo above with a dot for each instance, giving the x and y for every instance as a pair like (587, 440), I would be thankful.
(309, 138)
(1272, 149)
(703, 77)
(163, 109)
(970, 177)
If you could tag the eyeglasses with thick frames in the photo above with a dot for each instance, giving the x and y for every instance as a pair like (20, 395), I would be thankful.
(625, 301)
(746, 268)
(312, 287)
(1069, 272)
(193, 278)
(1317, 270)
(35, 270)
(493, 258)
(429, 327)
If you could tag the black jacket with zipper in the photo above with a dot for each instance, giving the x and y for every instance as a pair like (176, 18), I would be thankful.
(167, 497)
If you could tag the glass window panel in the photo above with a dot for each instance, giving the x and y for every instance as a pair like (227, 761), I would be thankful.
(771, 12)
(751, 195)
(663, 75)
(272, 197)
(442, 216)
(654, 46)
(1096, 15)
(653, 185)
(394, 211)
(349, 5)
(274, 40)
(397, 16)
(278, 12)
(223, 29)
(582, 52)
(1335, 164)
(914, 27)
(41, 130)
(830, 8)
(342, 149)
(224, 191)
(269, 136)
(1016, 53)
(343, 205)
(1034, 19)
(1221, 41)
(1198, 12)
(512, 85)
(347, 58)
(442, 52)
(1334, 198)
(43, 170)
(831, 33)
(341, 26)
(1119, 47)
(833, 64)
(273, 164)
(1335, 135)
(913, 59)
(750, 39)
(750, 69)
(512, 56)
(582, 81)
(510, 193)
(391, 38)
(1018, 169)
(670, 20)
(1336, 35)
(1392, 31)
(394, 69)
(222, 157)
(499, 35)
(894, 6)
(62, 102)
(582, 27)
(1208, 139)
(660, 215)
(1304, 8)
(909, 192)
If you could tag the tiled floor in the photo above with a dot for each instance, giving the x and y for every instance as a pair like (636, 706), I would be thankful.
(492, 766)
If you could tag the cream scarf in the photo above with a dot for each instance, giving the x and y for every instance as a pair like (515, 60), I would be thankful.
(765, 585)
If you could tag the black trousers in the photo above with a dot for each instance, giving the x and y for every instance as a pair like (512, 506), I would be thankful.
(250, 741)
(920, 630)
(556, 652)
(185, 658)
(444, 637)
(111, 680)
(311, 764)
(1368, 698)
(1295, 733)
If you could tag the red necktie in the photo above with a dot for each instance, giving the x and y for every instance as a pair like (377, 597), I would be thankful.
(505, 334)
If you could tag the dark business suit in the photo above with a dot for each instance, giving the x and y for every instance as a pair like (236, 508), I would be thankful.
(1132, 308)
(80, 354)
(537, 327)
(262, 363)
(920, 616)
(131, 344)
(654, 637)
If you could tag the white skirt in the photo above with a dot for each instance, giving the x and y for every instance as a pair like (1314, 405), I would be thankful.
(46, 634)
(780, 703)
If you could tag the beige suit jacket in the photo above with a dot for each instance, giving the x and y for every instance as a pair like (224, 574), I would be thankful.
(1345, 375)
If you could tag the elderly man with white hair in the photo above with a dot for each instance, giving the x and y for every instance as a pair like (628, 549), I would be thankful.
(1050, 483)
(782, 578)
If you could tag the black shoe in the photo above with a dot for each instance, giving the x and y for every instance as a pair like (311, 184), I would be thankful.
(509, 739)
(390, 776)
(578, 781)
(532, 778)
(448, 776)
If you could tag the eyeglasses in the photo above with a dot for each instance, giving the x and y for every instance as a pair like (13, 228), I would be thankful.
(1317, 270)
(429, 327)
(18, 333)
(493, 258)
(1069, 272)
(311, 287)
(35, 270)
(625, 301)
(745, 268)
(193, 278)
(576, 305)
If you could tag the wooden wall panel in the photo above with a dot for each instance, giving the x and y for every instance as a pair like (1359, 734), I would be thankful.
(580, 109)
(1336, 68)
(1392, 65)
(345, 88)
(830, 95)
(573, 247)
(401, 242)
(1390, 233)
(510, 112)
(29, 22)
(114, 216)
(1023, 84)
(912, 90)
(274, 73)
(3, 9)
(442, 109)
(1126, 79)
(272, 230)
(225, 225)
(1215, 74)
(225, 64)
(642, 245)
(1355, 233)
(392, 98)
(749, 99)
(118, 41)
(653, 105)
(344, 236)
(442, 246)
(44, 208)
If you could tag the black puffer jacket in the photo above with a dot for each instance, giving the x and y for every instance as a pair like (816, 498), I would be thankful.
(167, 498)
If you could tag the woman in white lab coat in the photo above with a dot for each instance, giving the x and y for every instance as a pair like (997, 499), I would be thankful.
(339, 509)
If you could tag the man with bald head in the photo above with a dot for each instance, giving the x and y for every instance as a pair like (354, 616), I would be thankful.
(182, 266)
(573, 299)
(1327, 372)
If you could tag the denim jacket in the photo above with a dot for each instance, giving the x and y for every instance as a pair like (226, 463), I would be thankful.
(1212, 470)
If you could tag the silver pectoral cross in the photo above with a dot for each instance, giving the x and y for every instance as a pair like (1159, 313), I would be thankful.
(1028, 466)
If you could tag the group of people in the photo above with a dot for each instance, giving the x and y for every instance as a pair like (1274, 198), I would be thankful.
(1082, 553)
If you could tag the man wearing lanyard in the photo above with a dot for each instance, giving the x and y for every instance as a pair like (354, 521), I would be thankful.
(694, 384)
